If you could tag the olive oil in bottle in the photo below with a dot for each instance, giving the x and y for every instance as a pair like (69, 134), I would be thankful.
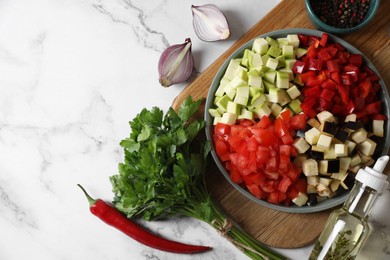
(347, 228)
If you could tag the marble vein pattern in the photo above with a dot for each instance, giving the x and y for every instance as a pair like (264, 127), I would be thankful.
(72, 74)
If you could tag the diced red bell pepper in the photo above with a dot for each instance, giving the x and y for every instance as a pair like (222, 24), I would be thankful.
(329, 84)
(315, 64)
(308, 107)
(343, 91)
(380, 117)
(315, 81)
(352, 71)
(327, 94)
(364, 88)
(332, 65)
(373, 108)
(312, 92)
(346, 79)
(311, 52)
(303, 39)
(299, 67)
(323, 54)
(305, 76)
(332, 50)
(324, 39)
(339, 46)
(342, 57)
(336, 77)
(314, 41)
(324, 104)
(359, 103)
(356, 59)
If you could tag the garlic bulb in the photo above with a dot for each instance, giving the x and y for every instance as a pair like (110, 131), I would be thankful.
(210, 23)
(176, 64)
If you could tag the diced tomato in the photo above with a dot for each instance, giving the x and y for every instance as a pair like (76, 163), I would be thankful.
(235, 175)
(301, 185)
(221, 149)
(284, 184)
(264, 122)
(257, 178)
(262, 154)
(234, 141)
(298, 122)
(280, 127)
(222, 129)
(246, 122)
(276, 197)
(256, 191)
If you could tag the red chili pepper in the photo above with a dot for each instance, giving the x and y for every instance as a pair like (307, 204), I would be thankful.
(113, 217)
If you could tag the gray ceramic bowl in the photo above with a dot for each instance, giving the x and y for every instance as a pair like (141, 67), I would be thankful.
(324, 205)
(319, 24)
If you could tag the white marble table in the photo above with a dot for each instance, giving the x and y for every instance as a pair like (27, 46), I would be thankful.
(72, 74)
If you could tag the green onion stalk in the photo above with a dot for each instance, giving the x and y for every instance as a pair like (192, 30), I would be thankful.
(163, 175)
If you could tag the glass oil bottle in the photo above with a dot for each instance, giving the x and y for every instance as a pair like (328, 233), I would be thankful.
(347, 228)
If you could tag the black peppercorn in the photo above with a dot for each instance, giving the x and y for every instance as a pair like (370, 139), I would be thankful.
(341, 13)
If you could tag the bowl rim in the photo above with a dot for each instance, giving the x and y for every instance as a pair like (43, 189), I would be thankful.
(324, 26)
(324, 205)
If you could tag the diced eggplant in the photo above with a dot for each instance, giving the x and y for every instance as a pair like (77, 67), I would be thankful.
(330, 128)
(301, 199)
(333, 166)
(316, 155)
(312, 200)
(352, 125)
(310, 167)
(341, 135)
(300, 133)
(359, 135)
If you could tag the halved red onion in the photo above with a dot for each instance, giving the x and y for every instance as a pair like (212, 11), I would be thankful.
(176, 64)
(210, 24)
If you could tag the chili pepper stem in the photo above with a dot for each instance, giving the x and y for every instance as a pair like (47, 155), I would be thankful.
(90, 199)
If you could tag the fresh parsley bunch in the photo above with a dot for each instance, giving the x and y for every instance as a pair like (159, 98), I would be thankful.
(163, 174)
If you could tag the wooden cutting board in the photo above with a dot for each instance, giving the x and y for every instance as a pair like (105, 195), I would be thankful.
(274, 228)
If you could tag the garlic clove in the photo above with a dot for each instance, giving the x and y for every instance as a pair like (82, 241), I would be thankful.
(210, 23)
(176, 64)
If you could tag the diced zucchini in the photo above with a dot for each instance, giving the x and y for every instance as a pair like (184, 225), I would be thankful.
(260, 46)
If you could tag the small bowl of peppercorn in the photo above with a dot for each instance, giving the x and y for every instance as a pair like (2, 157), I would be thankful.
(341, 16)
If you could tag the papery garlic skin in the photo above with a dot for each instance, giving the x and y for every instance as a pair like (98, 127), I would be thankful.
(176, 64)
(210, 24)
